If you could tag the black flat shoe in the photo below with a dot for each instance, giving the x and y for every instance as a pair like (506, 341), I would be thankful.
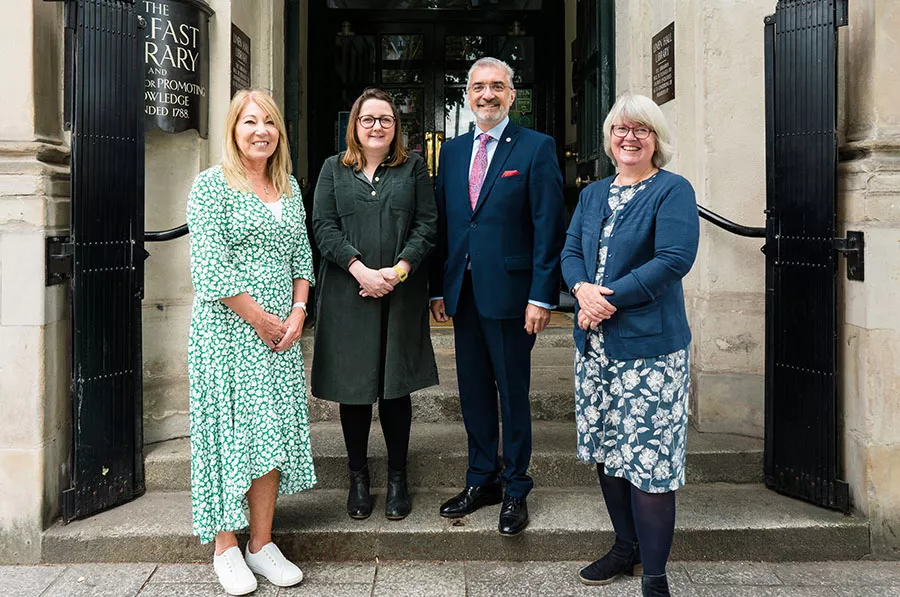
(623, 558)
(397, 505)
(359, 501)
(655, 586)
(513, 516)
(472, 498)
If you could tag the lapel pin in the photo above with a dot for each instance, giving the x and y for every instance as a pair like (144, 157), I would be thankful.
(508, 139)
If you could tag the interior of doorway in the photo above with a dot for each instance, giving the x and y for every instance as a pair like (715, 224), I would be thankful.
(422, 56)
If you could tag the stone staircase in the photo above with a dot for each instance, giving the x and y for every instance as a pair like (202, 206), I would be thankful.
(724, 512)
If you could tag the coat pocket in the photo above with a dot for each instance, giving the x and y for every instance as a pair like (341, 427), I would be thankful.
(518, 262)
(640, 321)
(403, 197)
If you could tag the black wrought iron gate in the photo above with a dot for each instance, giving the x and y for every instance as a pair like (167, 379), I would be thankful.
(105, 112)
(802, 443)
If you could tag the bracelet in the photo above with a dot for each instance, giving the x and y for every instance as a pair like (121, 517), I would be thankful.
(577, 286)
(401, 273)
(300, 305)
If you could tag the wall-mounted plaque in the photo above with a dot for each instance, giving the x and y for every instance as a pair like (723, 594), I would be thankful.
(240, 60)
(663, 56)
(176, 60)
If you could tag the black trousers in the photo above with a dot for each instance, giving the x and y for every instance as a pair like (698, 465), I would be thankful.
(396, 419)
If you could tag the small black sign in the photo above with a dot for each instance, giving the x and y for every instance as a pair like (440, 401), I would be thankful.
(176, 57)
(240, 60)
(663, 52)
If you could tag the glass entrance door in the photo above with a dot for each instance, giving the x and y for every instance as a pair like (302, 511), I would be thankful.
(424, 66)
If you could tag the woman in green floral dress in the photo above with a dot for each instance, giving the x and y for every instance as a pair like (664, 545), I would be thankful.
(251, 267)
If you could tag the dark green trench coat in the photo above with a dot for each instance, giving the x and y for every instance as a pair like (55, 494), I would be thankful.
(368, 347)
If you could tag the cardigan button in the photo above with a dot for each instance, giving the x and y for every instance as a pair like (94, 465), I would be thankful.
(373, 193)
(377, 179)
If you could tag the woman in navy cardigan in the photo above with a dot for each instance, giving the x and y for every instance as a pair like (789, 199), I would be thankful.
(632, 239)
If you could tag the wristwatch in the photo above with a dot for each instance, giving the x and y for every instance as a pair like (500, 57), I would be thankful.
(577, 286)
(401, 273)
(299, 305)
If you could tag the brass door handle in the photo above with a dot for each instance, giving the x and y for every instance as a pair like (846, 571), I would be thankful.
(433, 142)
(438, 141)
(429, 153)
(580, 182)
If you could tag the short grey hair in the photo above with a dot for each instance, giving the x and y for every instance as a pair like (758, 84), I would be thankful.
(642, 110)
(493, 63)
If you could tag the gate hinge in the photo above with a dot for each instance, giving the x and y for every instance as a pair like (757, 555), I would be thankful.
(853, 248)
(59, 257)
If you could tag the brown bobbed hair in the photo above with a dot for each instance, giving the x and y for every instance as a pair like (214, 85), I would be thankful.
(279, 164)
(354, 156)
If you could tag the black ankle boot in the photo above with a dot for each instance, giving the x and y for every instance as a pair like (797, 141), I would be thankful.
(359, 502)
(655, 586)
(623, 558)
(397, 505)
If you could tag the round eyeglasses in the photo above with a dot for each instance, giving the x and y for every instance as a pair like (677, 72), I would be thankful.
(640, 132)
(368, 122)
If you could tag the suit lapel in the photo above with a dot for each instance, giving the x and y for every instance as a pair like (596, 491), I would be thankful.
(504, 147)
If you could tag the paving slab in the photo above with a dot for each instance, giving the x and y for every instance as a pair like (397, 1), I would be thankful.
(840, 573)
(732, 573)
(438, 458)
(714, 522)
(29, 581)
(100, 580)
(464, 578)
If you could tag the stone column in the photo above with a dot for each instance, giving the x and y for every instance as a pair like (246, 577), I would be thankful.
(34, 327)
(869, 200)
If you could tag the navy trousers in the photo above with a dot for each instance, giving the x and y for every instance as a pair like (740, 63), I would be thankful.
(493, 356)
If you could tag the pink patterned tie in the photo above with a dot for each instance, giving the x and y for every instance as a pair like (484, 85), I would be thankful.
(479, 168)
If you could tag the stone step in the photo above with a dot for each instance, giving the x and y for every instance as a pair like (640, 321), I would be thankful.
(552, 381)
(714, 522)
(438, 458)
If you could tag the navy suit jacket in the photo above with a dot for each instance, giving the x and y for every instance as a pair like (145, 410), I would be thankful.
(514, 235)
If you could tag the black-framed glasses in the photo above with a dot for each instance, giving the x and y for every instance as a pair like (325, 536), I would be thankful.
(368, 122)
(640, 132)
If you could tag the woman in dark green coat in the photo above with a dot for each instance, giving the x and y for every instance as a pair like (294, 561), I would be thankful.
(375, 221)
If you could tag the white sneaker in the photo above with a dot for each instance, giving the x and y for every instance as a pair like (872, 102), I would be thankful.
(270, 562)
(234, 575)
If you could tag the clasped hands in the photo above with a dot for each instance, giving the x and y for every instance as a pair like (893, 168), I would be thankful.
(594, 306)
(376, 283)
(280, 335)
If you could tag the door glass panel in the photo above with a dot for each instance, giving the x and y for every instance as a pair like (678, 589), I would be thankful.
(518, 52)
(401, 57)
(412, 117)
(460, 52)
(438, 4)
(354, 59)
(458, 118)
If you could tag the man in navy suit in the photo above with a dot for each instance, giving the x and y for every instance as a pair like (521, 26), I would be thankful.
(496, 273)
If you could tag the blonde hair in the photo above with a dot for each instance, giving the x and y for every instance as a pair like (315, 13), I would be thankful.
(354, 156)
(642, 110)
(279, 164)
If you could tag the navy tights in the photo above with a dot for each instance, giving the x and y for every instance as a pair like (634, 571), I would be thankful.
(648, 518)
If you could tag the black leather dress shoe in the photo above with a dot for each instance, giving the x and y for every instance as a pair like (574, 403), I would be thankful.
(472, 498)
(513, 516)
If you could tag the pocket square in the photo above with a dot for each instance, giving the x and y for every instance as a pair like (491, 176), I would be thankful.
(508, 173)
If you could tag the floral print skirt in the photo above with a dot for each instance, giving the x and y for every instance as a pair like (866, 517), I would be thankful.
(632, 415)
